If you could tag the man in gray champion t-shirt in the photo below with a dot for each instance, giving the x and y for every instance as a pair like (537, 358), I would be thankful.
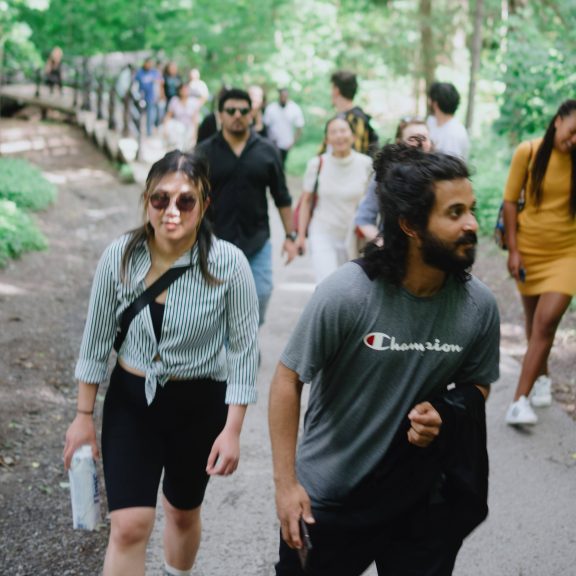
(378, 342)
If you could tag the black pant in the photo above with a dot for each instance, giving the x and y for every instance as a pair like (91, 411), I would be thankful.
(412, 513)
(399, 518)
(416, 544)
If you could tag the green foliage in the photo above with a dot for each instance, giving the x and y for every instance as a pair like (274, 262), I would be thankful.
(20, 53)
(18, 233)
(24, 184)
(537, 67)
(126, 173)
(527, 54)
(489, 164)
(22, 187)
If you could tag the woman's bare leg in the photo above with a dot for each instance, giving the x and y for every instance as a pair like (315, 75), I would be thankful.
(182, 534)
(129, 534)
(547, 314)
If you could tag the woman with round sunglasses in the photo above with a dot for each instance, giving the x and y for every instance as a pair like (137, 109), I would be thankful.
(412, 131)
(185, 371)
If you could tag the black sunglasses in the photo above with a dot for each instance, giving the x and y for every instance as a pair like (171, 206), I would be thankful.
(232, 110)
(184, 202)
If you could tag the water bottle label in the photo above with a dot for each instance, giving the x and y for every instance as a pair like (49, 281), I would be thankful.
(84, 491)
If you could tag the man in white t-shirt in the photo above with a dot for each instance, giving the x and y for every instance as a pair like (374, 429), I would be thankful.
(198, 88)
(284, 122)
(446, 132)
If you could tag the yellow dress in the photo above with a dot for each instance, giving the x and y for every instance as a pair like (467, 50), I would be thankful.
(546, 234)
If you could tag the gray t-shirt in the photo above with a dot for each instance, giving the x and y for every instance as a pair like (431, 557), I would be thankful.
(371, 351)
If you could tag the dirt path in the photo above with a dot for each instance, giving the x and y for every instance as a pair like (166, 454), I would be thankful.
(43, 301)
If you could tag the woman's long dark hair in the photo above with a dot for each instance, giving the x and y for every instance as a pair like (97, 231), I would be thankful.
(195, 169)
(406, 177)
(543, 157)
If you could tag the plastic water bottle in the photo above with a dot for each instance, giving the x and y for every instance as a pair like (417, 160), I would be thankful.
(84, 492)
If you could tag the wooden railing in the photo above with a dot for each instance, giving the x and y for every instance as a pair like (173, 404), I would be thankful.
(93, 91)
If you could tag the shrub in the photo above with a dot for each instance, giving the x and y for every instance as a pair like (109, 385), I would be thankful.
(18, 233)
(22, 188)
(489, 165)
(23, 184)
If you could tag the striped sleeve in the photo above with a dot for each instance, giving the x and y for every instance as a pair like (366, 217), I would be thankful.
(100, 329)
(242, 324)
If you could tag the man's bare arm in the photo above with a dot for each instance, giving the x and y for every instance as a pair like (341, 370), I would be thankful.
(292, 502)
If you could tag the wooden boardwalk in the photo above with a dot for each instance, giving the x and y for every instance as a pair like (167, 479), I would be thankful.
(139, 153)
(26, 94)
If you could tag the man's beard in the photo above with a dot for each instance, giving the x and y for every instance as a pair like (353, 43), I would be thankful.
(445, 256)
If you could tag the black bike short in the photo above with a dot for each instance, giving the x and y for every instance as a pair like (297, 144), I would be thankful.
(174, 434)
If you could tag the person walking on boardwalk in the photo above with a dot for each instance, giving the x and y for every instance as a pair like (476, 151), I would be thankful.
(185, 372)
(400, 349)
(149, 79)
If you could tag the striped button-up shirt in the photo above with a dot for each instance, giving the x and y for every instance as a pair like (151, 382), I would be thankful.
(208, 331)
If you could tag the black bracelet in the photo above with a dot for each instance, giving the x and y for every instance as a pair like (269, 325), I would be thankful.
(88, 413)
(292, 236)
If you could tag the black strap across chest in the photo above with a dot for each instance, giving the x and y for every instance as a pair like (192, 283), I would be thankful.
(154, 290)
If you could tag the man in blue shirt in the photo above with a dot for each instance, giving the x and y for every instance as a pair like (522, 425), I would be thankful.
(148, 79)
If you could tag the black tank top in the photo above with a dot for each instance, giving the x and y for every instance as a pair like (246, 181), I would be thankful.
(157, 313)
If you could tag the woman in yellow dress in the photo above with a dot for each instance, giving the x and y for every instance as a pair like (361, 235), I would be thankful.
(541, 241)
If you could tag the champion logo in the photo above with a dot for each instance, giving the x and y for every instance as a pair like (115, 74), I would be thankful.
(380, 341)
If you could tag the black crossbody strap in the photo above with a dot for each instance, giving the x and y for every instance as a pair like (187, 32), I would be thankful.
(320, 160)
(155, 289)
(315, 189)
(523, 194)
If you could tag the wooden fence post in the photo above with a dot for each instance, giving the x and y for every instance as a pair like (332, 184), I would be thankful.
(38, 82)
(112, 108)
(86, 85)
(99, 96)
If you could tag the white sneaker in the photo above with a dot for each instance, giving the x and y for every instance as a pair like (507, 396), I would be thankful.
(541, 394)
(520, 412)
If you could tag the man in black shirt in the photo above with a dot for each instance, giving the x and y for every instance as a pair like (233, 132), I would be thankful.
(242, 166)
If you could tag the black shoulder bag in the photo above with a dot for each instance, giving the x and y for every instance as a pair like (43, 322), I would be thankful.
(499, 228)
(155, 289)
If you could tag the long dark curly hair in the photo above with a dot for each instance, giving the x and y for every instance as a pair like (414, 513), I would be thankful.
(406, 176)
(195, 168)
(542, 158)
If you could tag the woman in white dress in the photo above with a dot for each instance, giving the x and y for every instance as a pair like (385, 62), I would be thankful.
(342, 175)
(181, 120)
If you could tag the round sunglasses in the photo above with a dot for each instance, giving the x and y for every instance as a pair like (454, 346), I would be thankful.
(184, 202)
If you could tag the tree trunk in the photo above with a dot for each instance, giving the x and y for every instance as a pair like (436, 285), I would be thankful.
(428, 59)
(475, 61)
